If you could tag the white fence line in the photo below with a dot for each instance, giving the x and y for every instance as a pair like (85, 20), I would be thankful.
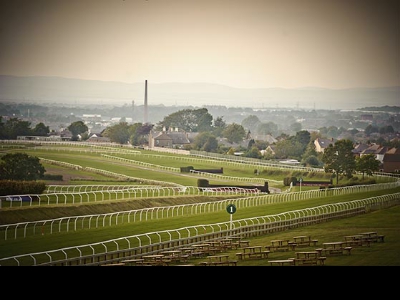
(129, 242)
(24, 229)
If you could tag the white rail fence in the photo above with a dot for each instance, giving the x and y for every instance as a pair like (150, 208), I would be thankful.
(136, 245)
(66, 224)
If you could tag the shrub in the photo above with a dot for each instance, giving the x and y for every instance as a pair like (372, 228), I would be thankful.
(18, 187)
(53, 177)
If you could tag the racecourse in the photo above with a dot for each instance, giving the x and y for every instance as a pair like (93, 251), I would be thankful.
(125, 167)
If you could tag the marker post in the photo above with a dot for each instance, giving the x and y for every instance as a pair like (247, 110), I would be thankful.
(231, 209)
(301, 180)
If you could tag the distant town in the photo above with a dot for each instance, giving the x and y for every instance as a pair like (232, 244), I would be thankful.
(279, 134)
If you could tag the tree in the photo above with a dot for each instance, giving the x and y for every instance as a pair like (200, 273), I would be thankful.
(386, 129)
(231, 151)
(119, 133)
(370, 129)
(251, 143)
(367, 163)
(2, 132)
(205, 141)
(211, 144)
(303, 137)
(15, 127)
(311, 161)
(219, 126)
(339, 159)
(139, 133)
(76, 128)
(234, 133)
(41, 130)
(267, 128)
(310, 156)
(189, 120)
(20, 166)
(253, 152)
(251, 123)
(204, 120)
(289, 148)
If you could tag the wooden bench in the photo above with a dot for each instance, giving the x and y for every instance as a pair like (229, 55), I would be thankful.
(113, 265)
(232, 262)
(240, 255)
(184, 257)
(281, 245)
(321, 260)
(331, 251)
(272, 248)
(243, 243)
(306, 243)
(262, 254)
(218, 260)
(198, 254)
(376, 238)
(133, 262)
(282, 262)
(228, 262)
(318, 261)
(235, 245)
(347, 250)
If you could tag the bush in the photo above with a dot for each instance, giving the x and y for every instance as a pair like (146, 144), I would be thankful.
(202, 183)
(53, 177)
(186, 169)
(17, 187)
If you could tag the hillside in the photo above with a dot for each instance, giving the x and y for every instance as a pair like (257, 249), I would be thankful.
(69, 90)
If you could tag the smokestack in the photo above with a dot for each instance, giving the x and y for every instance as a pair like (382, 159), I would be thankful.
(145, 102)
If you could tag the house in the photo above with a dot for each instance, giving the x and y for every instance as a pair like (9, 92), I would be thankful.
(270, 150)
(366, 117)
(322, 144)
(168, 138)
(359, 148)
(97, 138)
(391, 161)
(377, 150)
(267, 138)
(51, 138)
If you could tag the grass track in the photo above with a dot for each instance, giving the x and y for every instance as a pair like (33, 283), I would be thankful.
(385, 221)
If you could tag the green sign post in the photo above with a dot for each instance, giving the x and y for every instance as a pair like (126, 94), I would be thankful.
(231, 209)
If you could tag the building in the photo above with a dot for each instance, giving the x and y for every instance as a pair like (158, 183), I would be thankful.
(391, 161)
(322, 144)
(377, 150)
(172, 138)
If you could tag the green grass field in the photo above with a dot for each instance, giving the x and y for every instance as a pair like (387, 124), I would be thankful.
(383, 221)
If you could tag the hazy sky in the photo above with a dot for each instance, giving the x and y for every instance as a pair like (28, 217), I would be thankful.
(239, 43)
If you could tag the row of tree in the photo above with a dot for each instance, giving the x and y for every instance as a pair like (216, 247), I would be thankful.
(338, 158)
(14, 127)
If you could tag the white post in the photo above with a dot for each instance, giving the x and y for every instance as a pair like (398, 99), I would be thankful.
(301, 179)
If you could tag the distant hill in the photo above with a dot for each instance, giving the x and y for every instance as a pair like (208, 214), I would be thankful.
(78, 91)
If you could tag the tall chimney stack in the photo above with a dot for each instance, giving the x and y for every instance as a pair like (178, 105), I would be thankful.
(145, 102)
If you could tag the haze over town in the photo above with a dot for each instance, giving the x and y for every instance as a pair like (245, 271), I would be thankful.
(221, 52)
